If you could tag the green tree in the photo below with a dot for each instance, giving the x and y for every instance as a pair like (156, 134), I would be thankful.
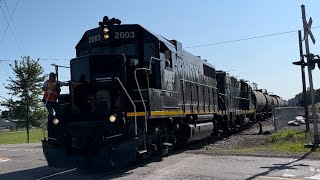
(25, 86)
(316, 97)
(10, 104)
(301, 100)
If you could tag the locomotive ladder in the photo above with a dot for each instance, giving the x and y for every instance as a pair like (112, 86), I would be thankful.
(144, 107)
(147, 70)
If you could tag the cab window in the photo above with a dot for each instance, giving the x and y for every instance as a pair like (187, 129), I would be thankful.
(164, 51)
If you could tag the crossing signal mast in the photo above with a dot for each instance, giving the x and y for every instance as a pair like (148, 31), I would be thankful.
(311, 61)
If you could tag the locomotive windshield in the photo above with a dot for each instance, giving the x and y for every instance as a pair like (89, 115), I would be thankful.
(93, 67)
(127, 49)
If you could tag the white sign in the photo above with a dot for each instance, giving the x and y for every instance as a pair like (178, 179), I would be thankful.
(307, 30)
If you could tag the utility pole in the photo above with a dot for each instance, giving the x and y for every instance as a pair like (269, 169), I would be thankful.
(302, 64)
(307, 32)
(27, 101)
(28, 120)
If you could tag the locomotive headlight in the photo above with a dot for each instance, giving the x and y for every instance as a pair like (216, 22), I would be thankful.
(112, 118)
(106, 36)
(105, 30)
(55, 121)
(106, 33)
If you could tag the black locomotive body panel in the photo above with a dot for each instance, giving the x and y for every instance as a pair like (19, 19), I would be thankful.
(197, 85)
(245, 96)
(229, 92)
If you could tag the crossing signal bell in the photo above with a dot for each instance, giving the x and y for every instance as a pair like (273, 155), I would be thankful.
(313, 61)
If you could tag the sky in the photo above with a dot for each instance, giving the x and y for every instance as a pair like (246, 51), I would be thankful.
(49, 30)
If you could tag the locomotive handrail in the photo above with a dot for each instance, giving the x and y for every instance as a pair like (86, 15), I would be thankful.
(139, 90)
(224, 94)
(174, 92)
(198, 83)
(134, 106)
(151, 61)
(104, 79)
(227, 107)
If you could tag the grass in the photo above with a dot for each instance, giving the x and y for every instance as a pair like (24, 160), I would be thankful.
(288, 141)
(15, 137)
(317, 105)
(285, 136)
(296, 146)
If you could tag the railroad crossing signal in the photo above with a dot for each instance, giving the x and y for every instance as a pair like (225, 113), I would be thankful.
(307, 30)
(310, 61)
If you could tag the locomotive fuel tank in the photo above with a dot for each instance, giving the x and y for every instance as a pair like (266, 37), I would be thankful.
(195, 132)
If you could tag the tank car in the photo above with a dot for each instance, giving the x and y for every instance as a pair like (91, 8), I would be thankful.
(264, 103)
(278, 101)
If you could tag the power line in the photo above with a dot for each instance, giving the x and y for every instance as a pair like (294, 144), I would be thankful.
(15, 38)
(203, 45)
(55, 59)
(246, 39)
(14, 26)
(9, 62)
(40, 59)
(8, 23)
(5, 69)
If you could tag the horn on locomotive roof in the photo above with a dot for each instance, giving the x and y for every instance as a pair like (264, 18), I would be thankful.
(106, 21)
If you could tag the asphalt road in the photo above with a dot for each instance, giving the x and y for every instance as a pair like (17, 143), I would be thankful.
(26, 161)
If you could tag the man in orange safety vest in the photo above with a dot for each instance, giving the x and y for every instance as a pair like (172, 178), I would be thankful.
(51, 88)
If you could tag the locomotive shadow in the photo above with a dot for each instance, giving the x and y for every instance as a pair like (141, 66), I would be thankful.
(109, 173)
(127, 170)
(122, 171)
(46, 172)
(31, 173)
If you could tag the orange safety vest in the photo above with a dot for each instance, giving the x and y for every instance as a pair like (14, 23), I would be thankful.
(51, 95)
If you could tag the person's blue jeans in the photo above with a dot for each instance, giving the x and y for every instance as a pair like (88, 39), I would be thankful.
(51, 106)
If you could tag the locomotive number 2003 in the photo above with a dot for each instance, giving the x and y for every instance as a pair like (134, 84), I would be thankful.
(124, 35)
(94, 38)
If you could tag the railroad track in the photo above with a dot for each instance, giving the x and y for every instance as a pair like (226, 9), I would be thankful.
(83, 174)
(58, 174)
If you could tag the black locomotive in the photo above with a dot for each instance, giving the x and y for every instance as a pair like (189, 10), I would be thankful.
(136, 93)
